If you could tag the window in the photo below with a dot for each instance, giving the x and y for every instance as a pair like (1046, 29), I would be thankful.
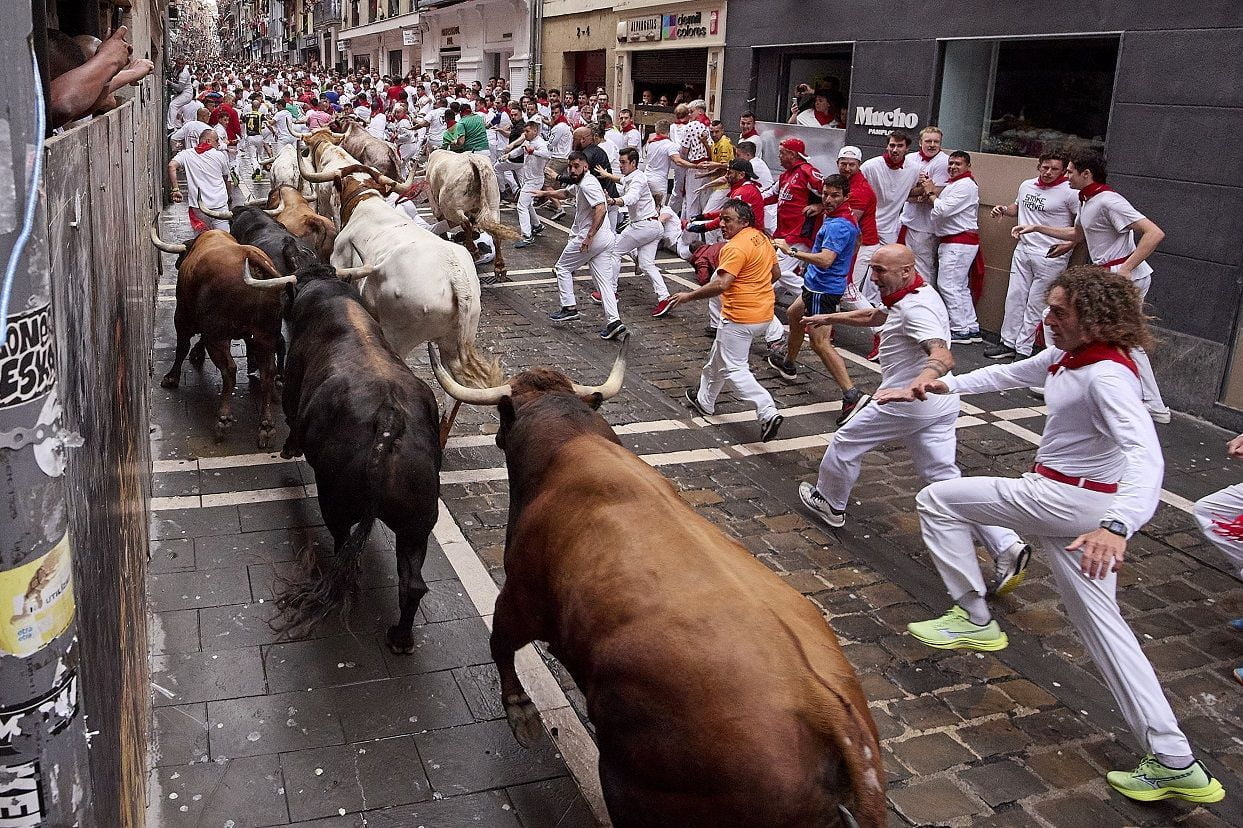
(787, 77)
(1025, 97)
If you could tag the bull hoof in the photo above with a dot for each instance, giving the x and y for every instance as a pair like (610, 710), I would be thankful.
(500, 274)
(198, 355)
(222, 425)
(400, 641)
(523, 719)
(289, 452)
(266, 430)
(170, 381)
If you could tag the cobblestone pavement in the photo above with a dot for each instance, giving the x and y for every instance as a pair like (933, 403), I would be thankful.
(1021, 737)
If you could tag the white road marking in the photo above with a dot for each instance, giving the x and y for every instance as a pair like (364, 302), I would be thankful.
(563, 726)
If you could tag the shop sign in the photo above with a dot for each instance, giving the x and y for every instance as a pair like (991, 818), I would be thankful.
(690, 26)
(342, 45)
(410, 37)
(644, 28)
(449, 37)
(884, 122)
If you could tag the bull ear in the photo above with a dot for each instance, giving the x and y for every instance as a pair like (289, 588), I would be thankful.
(595, 400)
(506, 409)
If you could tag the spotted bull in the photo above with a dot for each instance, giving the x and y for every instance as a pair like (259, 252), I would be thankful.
(719, 695)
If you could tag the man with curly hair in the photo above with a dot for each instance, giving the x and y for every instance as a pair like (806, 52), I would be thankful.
(1096, 481)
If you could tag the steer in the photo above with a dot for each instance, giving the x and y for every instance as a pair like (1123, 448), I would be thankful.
(719, 694)
(367, 425)
(378, 154)
(422, 288)
(214, 301)
(462, 192)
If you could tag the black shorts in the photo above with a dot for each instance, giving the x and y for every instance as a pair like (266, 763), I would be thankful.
(816, 303)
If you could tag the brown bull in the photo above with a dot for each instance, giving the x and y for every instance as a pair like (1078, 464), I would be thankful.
(288, 206)
(719, 695)
(214, 301)
(370, 150)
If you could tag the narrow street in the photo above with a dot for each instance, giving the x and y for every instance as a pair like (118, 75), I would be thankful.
(336, 731)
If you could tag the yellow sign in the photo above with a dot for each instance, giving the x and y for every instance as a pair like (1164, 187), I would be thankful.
(36, 602)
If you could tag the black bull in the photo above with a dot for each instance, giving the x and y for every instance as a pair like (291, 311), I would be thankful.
(368, 427)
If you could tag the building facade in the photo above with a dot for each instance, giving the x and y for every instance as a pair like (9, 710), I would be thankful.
(379, 34)
(1127, 78)
(480, 39)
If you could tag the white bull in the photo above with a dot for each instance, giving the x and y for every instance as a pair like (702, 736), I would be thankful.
(463, 192)
(284, 173)
(418, 286)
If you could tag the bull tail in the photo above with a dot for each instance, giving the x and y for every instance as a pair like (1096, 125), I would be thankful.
(490, 204)
(465, 361)
(844, 719)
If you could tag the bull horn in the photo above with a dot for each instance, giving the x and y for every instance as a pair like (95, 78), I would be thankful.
(474, 396)
(224, 215)
(276, 211)
(163, 245)
(353, 274)
(612, 385)
(265, 284)
(256, 202)
(267, 162)
(308, 174)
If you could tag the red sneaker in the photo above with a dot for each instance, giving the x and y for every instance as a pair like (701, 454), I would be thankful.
(662, 307)
(595, 297)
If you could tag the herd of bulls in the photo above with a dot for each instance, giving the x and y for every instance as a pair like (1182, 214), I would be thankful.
(719, 695)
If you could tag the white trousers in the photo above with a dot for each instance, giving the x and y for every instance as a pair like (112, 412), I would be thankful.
(180, 100)
(679, 190)
(528, 219)
(251, 151)
(954, 263)
(599, 259)
(1149, 389)
(773, 333)
(1031, 273)
(1220, 516)
(860, 277)
(1053, 514)
(506, 171)
(791, 281)
(641, 238)
(728, 363)
(932, 442)
(696, 196)
(925, 247)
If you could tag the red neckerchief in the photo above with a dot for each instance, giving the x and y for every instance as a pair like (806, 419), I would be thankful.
(1094, 352)
(843, 211)
(560, 119)
(657, 137)
(703, 119)
(894, 165)
(628, 127)
(824, 120)
(892, 299)
(954, 178)
(749, 134)
(1056, 182)
(1092, 189)
(204, 147)
(928, 157)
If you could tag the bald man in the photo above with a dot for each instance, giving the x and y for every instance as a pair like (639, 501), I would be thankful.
(914, 345)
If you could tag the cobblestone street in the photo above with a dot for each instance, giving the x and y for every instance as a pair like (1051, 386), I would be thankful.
(336, 731)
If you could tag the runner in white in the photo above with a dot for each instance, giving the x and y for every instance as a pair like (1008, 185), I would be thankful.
(1107, 222)
(535, 157)
(642, 235)
(1046, 199)
(590, 244)
(207, 176)
(658, 164)
(181, 84)
(1096, 481)
(914, 346)
(956, 221)
(917, 232)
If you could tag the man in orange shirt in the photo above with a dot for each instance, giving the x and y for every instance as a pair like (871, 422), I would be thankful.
(744, 281)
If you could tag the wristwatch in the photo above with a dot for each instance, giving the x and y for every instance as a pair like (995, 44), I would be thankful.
(1117, 527)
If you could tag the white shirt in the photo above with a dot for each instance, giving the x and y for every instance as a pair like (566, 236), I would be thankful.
(378, 126)
(436, 126)
(1097, 428)
(587, 194)
(891, 188)
(637, 196)
(658, 161)
(206, 177)
(915, 318)
(957, 208)
(283, 126)
(610, 149)
(560, 140)
(185, 81)
(614, 137)
(632, 138)
(189, 132)
(535, 157)
(763, 177)
(919, 216)
(1050, 206)
(1105, 219)
(808, 118)
(190, 112)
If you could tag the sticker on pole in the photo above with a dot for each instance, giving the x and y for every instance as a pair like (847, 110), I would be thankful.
(36, 602)
(27, 357)
(21, 803)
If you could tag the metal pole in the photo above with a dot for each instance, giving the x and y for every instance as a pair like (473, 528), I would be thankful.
(44, 768)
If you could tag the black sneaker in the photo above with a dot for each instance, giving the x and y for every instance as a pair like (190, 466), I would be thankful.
(564, 315)
(692, 399)
(537, 229)
(787, 370)
(710, 332)
(999, 351)
(965, 337)
(768, 429)
(851, 407)
(612, 330)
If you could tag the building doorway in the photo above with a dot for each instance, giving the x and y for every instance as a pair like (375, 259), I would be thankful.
(394, 62)
(587, 70)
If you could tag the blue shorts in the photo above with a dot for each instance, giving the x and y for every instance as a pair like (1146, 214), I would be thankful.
(816, 303)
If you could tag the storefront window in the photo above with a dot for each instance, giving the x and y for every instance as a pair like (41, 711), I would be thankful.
(1025, 97)
(788, 78)
(674, 75)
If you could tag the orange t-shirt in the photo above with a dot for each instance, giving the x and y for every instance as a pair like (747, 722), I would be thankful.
(750, 257)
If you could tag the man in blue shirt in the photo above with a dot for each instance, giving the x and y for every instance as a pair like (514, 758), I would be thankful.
(826, 276)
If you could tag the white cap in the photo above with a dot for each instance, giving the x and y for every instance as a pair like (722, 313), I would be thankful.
(850, 152)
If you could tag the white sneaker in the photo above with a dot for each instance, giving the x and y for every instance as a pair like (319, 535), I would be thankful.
(815, 501)
(1159, 415)
(1010, 568)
